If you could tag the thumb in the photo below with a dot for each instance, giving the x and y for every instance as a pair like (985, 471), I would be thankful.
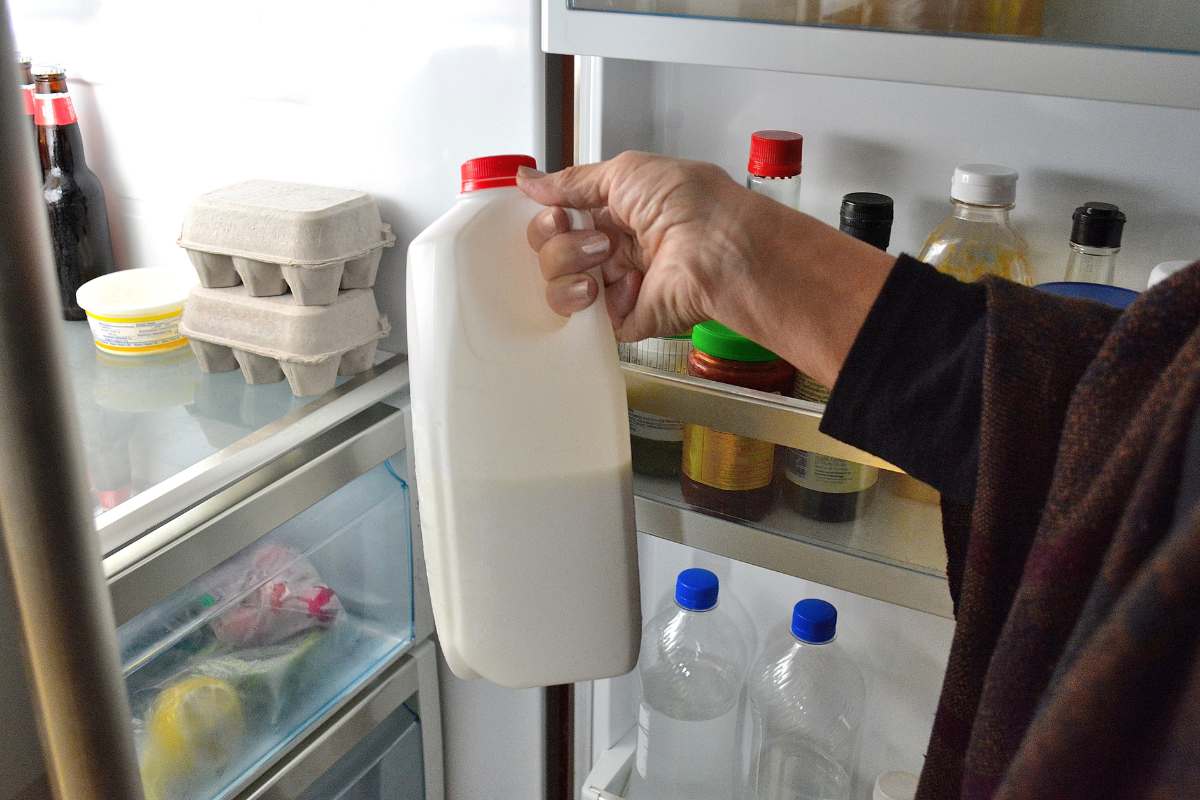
(584, 187)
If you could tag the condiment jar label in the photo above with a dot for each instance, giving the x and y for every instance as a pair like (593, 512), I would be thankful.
(725, 460)
(805, 388)
(665, 354)
(827, 474)
(651, 426)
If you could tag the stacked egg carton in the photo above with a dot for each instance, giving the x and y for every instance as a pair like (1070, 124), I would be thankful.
(286, 282)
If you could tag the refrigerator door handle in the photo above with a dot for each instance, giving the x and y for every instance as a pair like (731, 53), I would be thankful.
(52, 552)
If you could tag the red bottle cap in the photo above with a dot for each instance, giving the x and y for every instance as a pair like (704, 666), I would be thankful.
(775, 154)
(492, 172)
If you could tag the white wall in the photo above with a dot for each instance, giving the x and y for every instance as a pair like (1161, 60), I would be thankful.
(179, 98)
(904, 140)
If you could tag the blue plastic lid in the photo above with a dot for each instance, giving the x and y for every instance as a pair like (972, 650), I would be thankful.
(1114, 296)
(696, 589)
(814, 621)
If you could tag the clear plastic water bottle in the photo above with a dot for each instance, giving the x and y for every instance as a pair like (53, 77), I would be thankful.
(693, 667)
(806, 702)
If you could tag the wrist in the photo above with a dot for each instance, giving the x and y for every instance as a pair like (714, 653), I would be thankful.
(805, 290)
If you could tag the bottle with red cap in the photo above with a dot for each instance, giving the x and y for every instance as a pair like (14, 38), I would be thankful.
(774, 165)
(522, 454)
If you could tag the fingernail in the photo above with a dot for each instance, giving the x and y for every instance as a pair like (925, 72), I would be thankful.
(529, 173)
(595, 245)
(580, 291)
(548, 222)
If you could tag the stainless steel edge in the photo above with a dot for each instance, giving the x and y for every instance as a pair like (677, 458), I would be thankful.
(150, 509)
(153, 566)
(746, 412)
(852, 573)
(291, 776)
(50, 555)
(423, 625)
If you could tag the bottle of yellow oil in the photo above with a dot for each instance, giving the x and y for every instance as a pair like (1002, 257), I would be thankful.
(977, 239)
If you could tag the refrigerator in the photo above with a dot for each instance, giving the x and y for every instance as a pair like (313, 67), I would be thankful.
(137, 497)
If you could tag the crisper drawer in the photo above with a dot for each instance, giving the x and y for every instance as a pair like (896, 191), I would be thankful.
(384, 766)
(227, 672)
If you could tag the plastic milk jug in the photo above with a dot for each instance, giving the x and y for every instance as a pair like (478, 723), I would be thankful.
(521, 441)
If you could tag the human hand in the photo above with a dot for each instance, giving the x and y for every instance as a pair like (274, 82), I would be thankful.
(669, 239)
(678, 242)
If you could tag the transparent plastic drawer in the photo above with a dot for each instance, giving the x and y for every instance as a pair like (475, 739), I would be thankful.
(386, 765)
(227, 672)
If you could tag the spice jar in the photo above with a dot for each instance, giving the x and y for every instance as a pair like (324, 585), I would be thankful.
(723, 472)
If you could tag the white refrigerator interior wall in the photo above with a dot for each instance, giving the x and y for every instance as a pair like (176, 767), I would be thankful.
(905, 140)
(176, 99)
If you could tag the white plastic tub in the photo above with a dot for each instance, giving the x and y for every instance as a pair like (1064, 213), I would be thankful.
(136, 312)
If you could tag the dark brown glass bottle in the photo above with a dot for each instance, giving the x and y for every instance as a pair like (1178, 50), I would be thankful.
(26, 68)
(73, 194)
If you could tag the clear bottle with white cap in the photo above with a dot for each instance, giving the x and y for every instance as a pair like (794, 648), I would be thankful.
(978, 239)
(1165, 270)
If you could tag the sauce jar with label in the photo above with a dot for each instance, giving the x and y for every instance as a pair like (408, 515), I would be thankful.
(818, 486)
(723, 472)
(656, 443)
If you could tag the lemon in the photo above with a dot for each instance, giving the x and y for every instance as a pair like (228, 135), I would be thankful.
(193, 732)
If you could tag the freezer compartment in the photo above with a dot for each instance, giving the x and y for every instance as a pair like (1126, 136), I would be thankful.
(229, 671)
(384, 766)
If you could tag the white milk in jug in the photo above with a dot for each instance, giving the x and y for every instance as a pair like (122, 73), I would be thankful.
(521, 442)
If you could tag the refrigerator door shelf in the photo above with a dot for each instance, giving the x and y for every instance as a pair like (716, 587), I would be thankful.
(160, 436)
(610, 774)
(230, 670)
(887, 545)
(893, 553)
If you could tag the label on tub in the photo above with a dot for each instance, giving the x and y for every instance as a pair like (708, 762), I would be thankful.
(136, 335)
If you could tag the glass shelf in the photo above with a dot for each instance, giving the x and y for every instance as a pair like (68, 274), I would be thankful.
(1164, 25)
(1120, 50)
(159, 434)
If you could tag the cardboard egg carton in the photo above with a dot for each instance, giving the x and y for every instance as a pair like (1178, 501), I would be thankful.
(272, 338)
(273, 237)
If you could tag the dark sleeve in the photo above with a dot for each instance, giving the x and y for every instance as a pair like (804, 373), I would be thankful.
(911, 389)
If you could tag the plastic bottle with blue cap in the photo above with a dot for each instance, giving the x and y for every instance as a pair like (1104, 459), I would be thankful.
(693, 666)
(806, 706)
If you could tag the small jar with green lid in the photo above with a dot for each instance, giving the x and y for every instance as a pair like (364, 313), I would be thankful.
(723, 472)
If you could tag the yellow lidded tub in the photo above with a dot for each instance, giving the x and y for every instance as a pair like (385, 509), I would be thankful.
(136, 312)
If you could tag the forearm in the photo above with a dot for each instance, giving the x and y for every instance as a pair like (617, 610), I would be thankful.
(805, 290)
